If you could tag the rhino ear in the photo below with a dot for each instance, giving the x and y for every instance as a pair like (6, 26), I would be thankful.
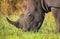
(16, 24)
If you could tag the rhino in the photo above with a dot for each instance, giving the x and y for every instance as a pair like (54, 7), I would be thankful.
(34, 15)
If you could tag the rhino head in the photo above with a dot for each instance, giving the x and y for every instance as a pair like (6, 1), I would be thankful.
(32, 18)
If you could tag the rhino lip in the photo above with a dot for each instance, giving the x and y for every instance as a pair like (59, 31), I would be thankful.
(35, 27)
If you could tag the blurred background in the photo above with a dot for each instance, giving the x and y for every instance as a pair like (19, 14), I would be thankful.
(14, 8)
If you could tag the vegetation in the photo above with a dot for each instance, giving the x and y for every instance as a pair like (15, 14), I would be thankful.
(14, 8)
(47, 31)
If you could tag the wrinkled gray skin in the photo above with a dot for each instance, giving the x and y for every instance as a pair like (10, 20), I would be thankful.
(33, 17)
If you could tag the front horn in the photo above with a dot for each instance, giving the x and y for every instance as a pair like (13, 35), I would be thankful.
(16, 24)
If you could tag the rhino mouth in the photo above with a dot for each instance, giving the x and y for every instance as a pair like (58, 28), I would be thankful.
(36, 26)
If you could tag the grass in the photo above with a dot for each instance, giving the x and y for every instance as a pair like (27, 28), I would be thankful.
(47, 31)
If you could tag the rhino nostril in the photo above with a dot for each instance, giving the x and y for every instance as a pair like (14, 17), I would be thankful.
(28, 29)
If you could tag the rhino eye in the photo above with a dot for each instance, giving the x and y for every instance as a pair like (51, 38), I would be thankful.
(36, 3)
(36, 9)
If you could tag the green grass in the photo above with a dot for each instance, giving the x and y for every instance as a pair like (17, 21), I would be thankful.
(47, 31)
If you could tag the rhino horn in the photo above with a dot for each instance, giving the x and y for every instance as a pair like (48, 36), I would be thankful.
(16, 24)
